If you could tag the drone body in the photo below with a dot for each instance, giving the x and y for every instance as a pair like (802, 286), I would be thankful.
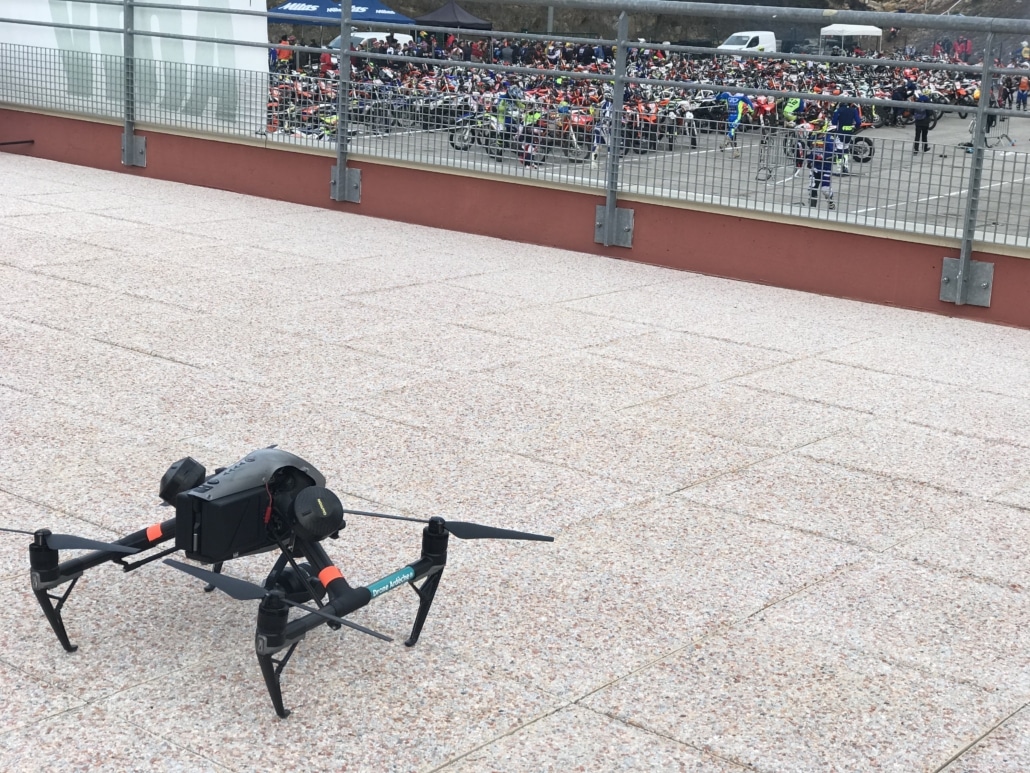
(268, 500)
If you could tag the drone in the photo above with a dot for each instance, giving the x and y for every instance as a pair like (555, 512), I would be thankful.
(269, 500)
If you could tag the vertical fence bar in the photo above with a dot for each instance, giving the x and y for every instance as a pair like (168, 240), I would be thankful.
(961, 290)
(616, 138)
(134, 149)
(344, 184)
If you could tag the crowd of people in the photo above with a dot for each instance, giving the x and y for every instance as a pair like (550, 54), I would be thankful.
(435, 70)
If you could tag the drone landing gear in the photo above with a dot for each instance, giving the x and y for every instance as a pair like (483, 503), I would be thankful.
(48, 571)
(269, 639)
(425, 601)
(217, 569)
(52, 611)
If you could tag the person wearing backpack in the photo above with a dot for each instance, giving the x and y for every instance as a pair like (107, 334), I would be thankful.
(921, 114)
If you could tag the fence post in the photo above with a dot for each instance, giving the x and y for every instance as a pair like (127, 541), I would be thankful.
(614, 226)
(134, 149)
(344, 183)
(965, 281)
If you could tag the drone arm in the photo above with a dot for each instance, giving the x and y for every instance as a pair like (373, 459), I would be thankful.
(343, 599)
(141, 540)
(48, 572)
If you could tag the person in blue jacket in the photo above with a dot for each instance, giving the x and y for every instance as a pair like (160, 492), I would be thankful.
(847, 120)
(820, 163)
(736, 104)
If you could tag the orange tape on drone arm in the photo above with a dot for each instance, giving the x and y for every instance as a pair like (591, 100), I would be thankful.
(329, 574)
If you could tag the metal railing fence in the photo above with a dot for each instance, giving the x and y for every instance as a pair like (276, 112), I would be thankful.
(638, 119)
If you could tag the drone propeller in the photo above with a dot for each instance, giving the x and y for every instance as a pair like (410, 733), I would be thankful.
(241, 590)
(463, 530)
(70, 542)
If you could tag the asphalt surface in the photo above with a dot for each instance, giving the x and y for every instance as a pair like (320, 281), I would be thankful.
(895, 190)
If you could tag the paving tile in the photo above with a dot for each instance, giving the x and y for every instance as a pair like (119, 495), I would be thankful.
(408, 699)
(577, 739)
(438, 301)
(777, 331)
(1005, 750)
(955, 462)
(137, 388)
(335, 322)
(30, 250)
(604, 382)
(961, 363)
(642, 449)
(860, 389)
(469, 406)
(14, 206)
(674, 305)
(436, 265)
(1017, 495)
(83, 200)
(453, 347)
(144, 239)
(860, 508)
(618, 591)
(768, 697)
(982, 539)
(944, 624)
(28, 700)
(62, 222)
(569, 327)
(557, 284)
(969, 412)
(118, 747)
(749, 416)
(129, 629)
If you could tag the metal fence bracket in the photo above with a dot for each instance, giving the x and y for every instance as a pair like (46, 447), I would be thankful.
(621, 234)
(979, 283)
(134, 150)
(352, 185)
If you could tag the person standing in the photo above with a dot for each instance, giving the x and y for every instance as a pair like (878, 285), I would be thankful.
(820, 162)
(921, 114)
(1022, 91)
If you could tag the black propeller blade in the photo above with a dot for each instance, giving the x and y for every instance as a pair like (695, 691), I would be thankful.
(70, 542)
(463, 530)
(241, 590)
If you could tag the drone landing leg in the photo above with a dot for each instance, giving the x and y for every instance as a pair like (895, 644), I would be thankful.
(270, 670)
(425, 601)
(53, 613)
(217, 569)
(269, 639)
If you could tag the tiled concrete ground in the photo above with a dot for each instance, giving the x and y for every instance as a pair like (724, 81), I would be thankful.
(791, 530)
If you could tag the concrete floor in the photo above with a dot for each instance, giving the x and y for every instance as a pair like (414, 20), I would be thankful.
(790, 530)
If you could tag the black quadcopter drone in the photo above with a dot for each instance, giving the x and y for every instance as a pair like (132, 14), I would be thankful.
(269, 500)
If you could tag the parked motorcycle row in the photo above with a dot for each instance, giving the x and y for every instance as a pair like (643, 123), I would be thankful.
(546, 115)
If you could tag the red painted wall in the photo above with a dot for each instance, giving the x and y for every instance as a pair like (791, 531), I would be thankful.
(832, 262)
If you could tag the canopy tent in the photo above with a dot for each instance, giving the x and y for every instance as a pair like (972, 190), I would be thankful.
(850, 31)
(326, 13)
(453, 15)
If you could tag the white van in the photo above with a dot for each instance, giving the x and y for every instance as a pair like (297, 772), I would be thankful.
(750, 41)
